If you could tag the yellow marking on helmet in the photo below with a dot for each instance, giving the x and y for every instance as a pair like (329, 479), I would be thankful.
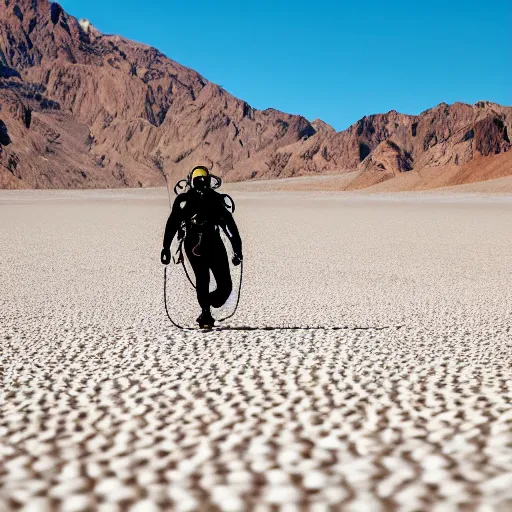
(199, 172)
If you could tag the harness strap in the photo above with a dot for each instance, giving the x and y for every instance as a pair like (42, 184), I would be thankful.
(178, 256)
(197, 245)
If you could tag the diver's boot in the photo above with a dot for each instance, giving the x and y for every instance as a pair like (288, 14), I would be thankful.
(205, 319)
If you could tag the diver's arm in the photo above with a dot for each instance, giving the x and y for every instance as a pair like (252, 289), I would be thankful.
(173, 223)
(234, 235)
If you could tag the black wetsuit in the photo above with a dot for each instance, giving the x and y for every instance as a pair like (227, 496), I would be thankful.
(202, 213)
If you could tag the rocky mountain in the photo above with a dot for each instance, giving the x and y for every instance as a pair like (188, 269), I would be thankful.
(81, 109)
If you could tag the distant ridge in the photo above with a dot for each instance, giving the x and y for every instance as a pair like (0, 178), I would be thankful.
(80, 109)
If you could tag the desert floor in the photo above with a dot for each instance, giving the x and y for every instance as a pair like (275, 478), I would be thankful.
(408, 406)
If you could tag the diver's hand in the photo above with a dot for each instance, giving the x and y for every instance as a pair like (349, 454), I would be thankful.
(165, 257)
(237, 258)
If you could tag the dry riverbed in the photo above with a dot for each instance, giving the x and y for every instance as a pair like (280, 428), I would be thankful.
(407, 406)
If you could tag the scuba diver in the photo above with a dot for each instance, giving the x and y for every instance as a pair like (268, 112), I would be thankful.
(196, 217)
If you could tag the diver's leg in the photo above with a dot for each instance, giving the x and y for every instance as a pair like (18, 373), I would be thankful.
(219, 264)
(202, 274)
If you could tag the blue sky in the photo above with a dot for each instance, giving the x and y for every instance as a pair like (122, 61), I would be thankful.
(335, 60)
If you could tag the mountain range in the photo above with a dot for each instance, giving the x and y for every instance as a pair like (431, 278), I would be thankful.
(82, 109)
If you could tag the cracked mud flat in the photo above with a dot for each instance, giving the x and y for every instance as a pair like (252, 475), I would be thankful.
(104, 406)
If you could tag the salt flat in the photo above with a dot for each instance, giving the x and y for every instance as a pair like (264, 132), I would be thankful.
(408, 407)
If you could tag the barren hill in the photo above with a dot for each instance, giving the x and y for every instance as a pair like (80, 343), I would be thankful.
(80, 109)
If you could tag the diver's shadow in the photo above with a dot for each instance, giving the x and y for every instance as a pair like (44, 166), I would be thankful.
(296, 328)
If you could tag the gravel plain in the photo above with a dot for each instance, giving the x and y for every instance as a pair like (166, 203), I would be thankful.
(400, 399)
